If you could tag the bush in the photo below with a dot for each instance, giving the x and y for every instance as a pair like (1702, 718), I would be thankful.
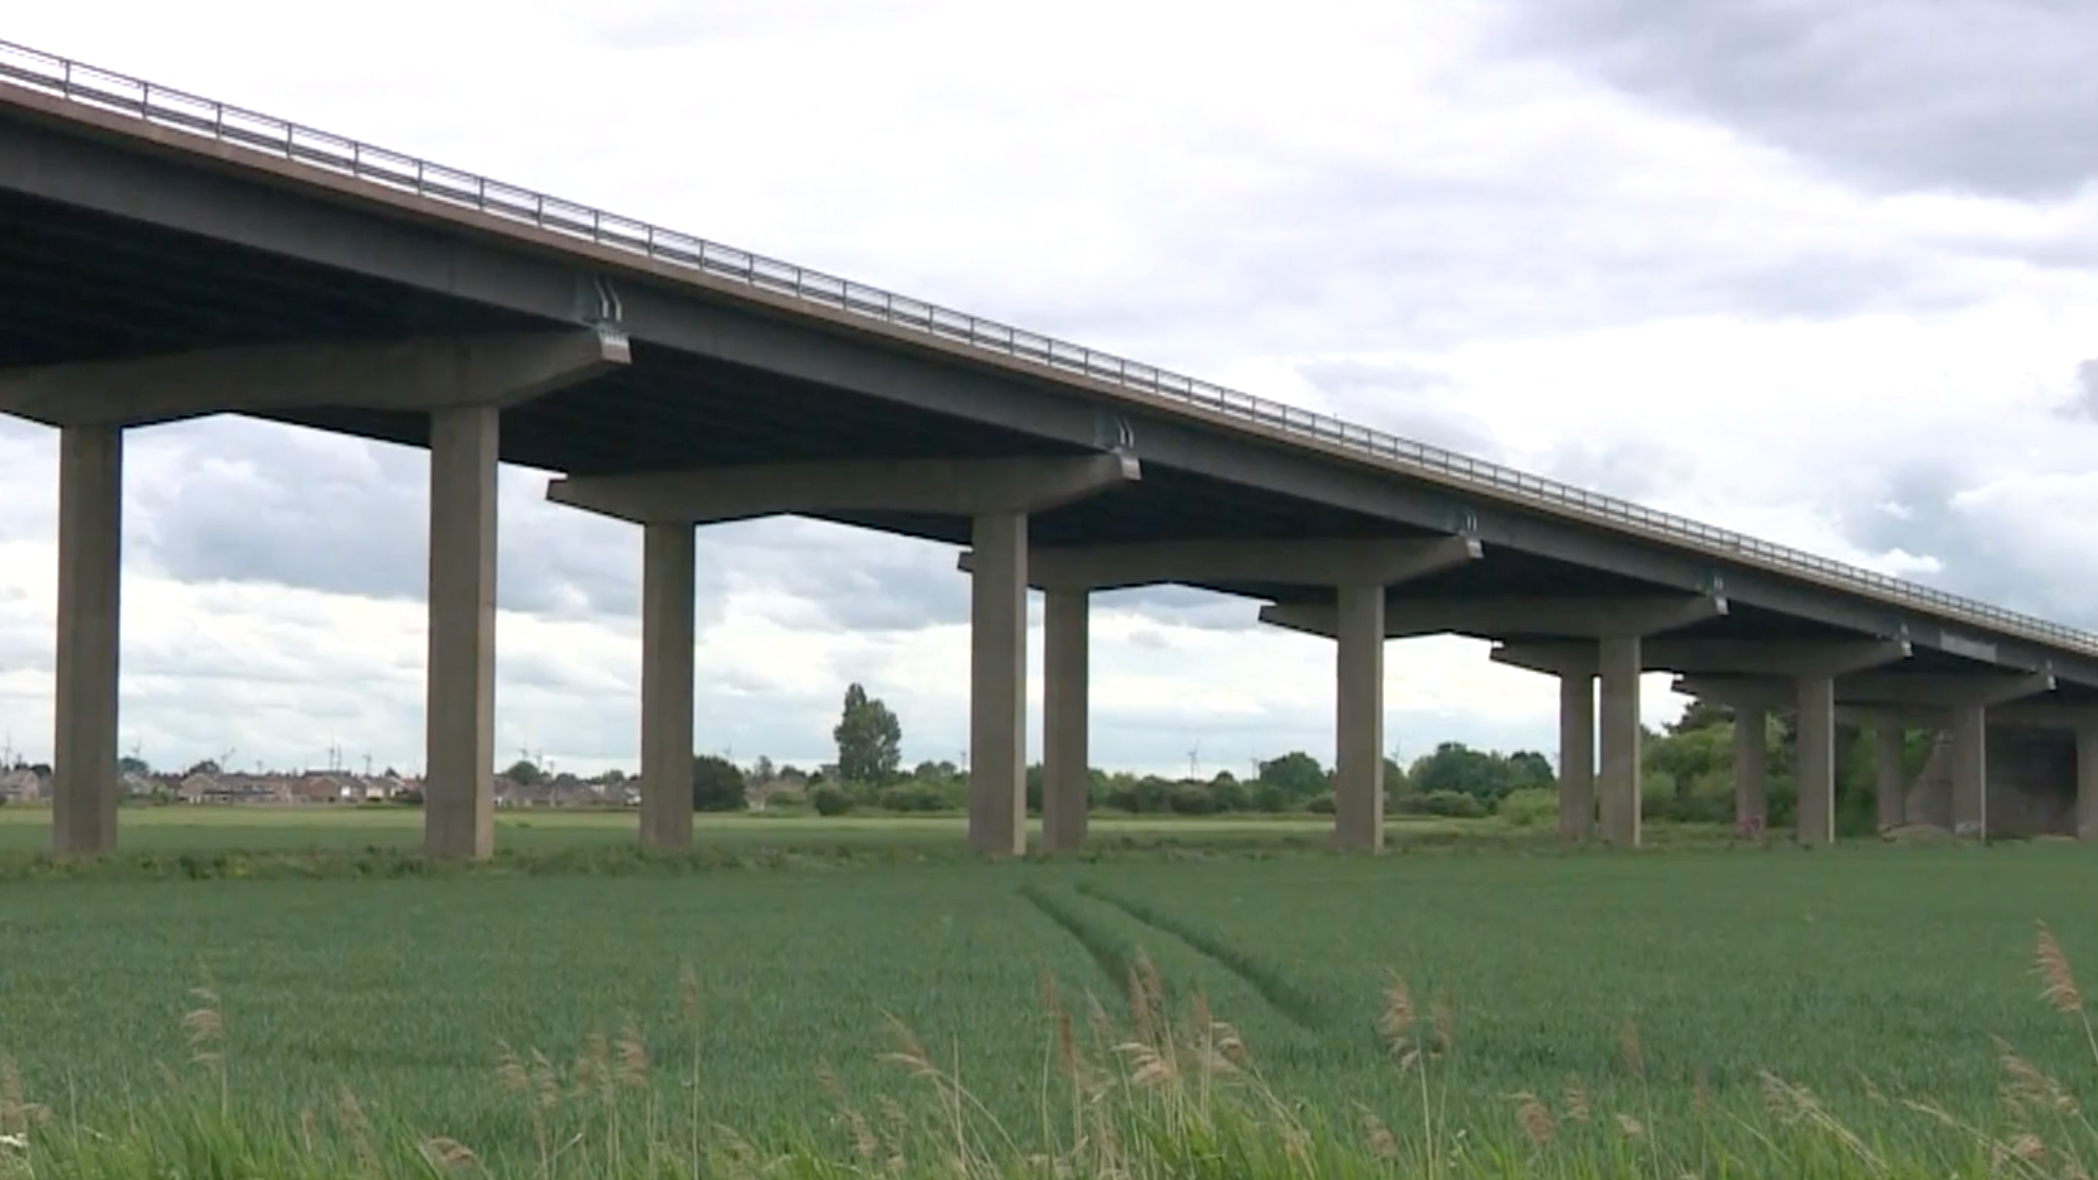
(910, 797)
(1269, 798)
(1530, 807)
(1191, 799)
(1452, 805)
(830, 800)
(1320, 804)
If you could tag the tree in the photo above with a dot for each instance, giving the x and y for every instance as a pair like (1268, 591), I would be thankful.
(524, 773)
(129, 765)
(1297, 774)
(1701, 714)
(717, 784)
(870, 740)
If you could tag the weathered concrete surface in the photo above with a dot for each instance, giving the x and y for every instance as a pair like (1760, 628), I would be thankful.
(2031, 784)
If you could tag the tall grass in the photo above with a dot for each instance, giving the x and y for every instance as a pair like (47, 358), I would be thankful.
(1139, 1092)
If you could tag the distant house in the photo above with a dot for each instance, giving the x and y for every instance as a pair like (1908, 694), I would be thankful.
(22, 786)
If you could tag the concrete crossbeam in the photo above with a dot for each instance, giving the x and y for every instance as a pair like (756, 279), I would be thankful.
(1703, 657)
(961, 487)
(424, 374)
(1312, 561)
(1489, 618)
(1895, 692)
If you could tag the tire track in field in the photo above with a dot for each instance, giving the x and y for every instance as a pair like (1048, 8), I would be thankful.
(1299, 1006)
(1110, 955)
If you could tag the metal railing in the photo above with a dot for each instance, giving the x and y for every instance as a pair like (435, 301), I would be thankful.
(163, 107)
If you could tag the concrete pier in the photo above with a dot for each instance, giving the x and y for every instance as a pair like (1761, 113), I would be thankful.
(1816, 760)
(998, 686)
(1066, 775)
(668, 634)
(1358, 770)
(1889, 784)
(1618, 784)
(90, 590)
(1751, 768)
(1577, 754)
(459, 780)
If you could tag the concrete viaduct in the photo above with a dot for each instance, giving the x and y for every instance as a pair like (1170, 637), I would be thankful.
(169, 257)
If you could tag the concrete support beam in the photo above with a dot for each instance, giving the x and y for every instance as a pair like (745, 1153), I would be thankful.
(1726, 657)
(669, 632)
(1491, 618)
(1816, 760)
(1358, 774)
(976, 488)
(998, 686)
(1321, 561)
(1882, 694)
(1889, 783)
(2087, 780)
(1946, 690)
(90, 581)
(458, 789)
(423, 374)
(1066, 760)
(1577, 754)
(1970, 771)
(1618, 784)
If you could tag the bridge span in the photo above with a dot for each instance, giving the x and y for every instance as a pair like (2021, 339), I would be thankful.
(170, 256)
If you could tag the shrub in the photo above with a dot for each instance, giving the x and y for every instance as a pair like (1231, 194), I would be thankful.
(1530, 807)
(1320, 804)
(1229, 794)
(1191, 799)
(1270, 798)
(1452, 805)
(910, 797)
(830, 800)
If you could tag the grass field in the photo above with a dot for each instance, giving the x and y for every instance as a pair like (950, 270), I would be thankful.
(1841, 970)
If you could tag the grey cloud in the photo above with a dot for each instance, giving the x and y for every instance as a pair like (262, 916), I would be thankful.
(243, 501)
(1631, 467)
(2083, 401)
(1409, 399)
(1988, 96)
(1981, 554)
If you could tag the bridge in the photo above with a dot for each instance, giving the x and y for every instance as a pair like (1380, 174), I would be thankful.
(170, 256)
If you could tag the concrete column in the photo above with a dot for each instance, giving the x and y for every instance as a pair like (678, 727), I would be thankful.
(1970, 771)
(1619, 781)
(1358, 745)
(90, 578)
(998, 686)
(1889, 784)
(1066, 775)
(668, 633)
(1816, 760)
(1751, 768)
(458, 798)
(1577, 755)
(2087, 781)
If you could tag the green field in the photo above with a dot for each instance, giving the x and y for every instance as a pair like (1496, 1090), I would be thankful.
(1828, 967)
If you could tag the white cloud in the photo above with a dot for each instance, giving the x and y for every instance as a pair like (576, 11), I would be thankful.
(1382, 211)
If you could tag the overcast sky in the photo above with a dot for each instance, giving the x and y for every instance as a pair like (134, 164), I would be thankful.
(1824, 273)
